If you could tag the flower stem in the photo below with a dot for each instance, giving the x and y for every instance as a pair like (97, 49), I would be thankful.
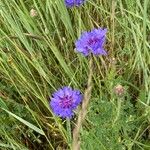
(118, 111)
(83, 111)
(69, 131)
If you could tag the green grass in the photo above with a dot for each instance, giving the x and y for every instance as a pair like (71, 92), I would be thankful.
(37, 56)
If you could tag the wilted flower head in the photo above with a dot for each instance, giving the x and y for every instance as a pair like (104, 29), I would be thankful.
(65, 101)
(33, 13)
(119, 90)
(92, 42)
(72, 3)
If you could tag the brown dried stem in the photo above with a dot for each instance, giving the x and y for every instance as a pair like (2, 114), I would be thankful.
(37, 37)
(83, 111)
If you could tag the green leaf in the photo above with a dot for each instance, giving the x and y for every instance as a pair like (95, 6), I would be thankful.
(2, 104)
(26, 122)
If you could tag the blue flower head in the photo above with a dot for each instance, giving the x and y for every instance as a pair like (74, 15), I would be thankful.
(92, 42)
(65, 101)
(72, 3)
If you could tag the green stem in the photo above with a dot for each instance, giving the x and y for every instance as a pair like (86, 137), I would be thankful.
(118, 110)
(69, 132)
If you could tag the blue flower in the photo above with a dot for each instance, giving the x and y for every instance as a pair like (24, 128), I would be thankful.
(65, 101)
(92, 42)
(72, 3)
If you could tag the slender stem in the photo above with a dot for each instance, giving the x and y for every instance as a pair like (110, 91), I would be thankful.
(119, 101)
(69, 131)
(83, 111)
(113, 23)
(26, 34)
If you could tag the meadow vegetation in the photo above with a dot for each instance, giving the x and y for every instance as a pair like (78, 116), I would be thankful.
(37, 56)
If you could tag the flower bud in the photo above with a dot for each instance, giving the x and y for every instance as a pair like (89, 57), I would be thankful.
(119, 90)
(33, 13)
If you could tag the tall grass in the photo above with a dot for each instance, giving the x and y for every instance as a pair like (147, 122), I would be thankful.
(37, 56)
